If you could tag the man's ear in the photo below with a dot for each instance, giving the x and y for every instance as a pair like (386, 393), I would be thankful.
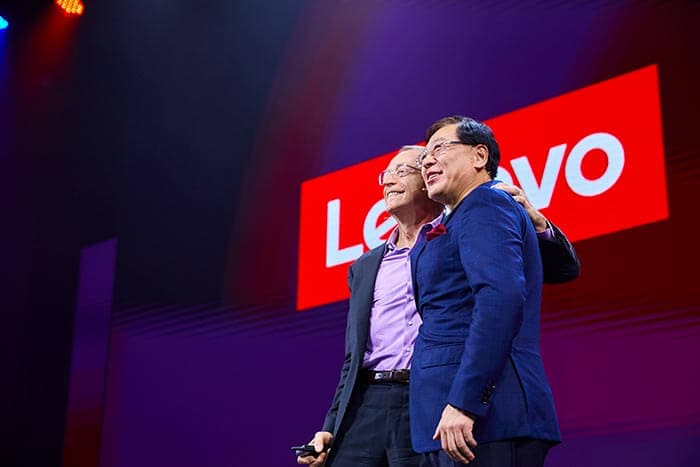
(481, 156)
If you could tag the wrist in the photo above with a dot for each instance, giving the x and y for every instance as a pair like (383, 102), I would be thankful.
(541, 224)
(464, 412)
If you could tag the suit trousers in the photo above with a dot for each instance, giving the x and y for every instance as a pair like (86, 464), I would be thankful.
(520, 452)
(375, 430)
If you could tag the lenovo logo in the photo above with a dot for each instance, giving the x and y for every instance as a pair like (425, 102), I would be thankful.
(592, 160)
(540, 192)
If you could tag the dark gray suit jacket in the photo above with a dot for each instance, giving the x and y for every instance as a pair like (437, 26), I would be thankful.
(559, 261)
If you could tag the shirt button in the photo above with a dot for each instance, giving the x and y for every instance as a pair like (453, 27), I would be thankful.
(410, 323)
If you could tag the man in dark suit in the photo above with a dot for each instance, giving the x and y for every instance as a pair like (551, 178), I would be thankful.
(367, 423)
(478, 391)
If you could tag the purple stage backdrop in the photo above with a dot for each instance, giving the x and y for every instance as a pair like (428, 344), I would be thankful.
(195, 385)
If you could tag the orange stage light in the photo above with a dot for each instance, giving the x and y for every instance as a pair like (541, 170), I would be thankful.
(71, 7)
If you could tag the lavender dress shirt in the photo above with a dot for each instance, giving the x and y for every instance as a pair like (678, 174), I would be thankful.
(394, 320)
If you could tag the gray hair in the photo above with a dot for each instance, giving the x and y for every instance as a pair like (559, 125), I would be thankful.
(409, 147)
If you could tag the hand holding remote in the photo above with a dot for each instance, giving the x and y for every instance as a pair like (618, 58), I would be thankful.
(315, 452)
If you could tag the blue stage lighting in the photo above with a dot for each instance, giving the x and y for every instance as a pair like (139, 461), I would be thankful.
(3, 23)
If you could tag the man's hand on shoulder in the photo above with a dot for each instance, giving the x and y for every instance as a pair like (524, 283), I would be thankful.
(322, 442)
(538, 220)
(455, 434)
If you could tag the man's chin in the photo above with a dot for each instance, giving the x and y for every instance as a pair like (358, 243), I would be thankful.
(436, 195)
(393, 208)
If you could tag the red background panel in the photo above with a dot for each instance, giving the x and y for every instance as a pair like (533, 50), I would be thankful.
(626, 107)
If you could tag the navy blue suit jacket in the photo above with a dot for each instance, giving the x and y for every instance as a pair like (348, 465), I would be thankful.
(560, 265)
(478, 290)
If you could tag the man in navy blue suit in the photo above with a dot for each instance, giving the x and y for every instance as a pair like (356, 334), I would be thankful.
(478, 390)
(368, 421)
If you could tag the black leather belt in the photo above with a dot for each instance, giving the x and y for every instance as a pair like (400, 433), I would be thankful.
(386, 376)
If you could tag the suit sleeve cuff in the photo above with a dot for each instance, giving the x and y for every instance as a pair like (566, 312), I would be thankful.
(547, 234)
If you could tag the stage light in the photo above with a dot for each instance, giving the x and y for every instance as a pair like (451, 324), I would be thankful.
(3, 23)
(71, 7)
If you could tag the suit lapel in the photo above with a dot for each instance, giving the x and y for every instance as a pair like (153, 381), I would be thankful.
(415, 254)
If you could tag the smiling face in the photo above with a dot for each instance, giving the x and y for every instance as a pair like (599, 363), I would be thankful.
(455, 171)
(406, 196)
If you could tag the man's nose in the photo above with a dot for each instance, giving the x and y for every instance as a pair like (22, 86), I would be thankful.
(428, 162)
(389, 180)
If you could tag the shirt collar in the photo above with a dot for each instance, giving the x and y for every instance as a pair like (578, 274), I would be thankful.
(390, 244)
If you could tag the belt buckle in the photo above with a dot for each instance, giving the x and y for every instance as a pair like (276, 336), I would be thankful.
(390, 376)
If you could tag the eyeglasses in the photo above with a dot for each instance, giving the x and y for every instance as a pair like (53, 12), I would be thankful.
(438, 150)
(400, 171)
